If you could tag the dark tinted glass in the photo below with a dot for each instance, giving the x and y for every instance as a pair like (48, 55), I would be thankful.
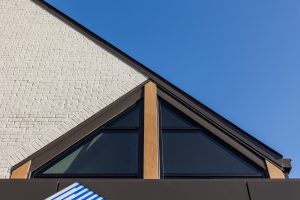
(195, 152)
(172, 119)
(109, 152)
(129, 120)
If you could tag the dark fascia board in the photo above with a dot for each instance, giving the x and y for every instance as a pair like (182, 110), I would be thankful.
(235, 133)
(213, 130)
(228, 127)
(81, 131)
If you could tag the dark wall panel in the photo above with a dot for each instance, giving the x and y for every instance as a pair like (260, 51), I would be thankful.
(165, 189)
(274, 189)
(24, 189)
(158, 189)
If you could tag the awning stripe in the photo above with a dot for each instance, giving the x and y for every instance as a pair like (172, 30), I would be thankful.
(75, 191)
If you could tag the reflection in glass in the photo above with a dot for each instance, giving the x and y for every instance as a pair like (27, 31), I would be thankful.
(111, 151)
(189, 150)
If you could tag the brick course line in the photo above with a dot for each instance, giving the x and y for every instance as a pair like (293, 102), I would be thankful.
(51, 79)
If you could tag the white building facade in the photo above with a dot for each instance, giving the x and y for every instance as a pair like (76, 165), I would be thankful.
(61, 83)
(52, 78)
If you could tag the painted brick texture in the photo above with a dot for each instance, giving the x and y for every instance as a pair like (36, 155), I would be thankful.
(51, 79)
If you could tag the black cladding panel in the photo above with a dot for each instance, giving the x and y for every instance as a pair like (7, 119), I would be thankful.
(274, 189)
(191, 189)
(165, 189)
(27, 189)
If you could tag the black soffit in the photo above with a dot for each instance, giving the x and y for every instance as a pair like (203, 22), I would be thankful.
(223, 124)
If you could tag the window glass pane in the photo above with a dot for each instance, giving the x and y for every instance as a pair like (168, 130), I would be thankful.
(107, 153)
(196, 154)
(111, 151)
(129, 120)
(172, 119)
(189, 150)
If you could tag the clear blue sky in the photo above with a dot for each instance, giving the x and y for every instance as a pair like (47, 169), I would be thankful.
(240, 58)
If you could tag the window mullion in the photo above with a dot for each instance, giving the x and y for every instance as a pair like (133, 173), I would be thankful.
(151, 157)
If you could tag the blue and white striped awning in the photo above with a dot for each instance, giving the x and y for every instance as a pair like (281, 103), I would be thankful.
(75, 191)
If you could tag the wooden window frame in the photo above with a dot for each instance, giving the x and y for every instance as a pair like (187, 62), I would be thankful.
(80, 132)
(251, 143)
(21, 172)
(151, 160)
(151, 146)
(272, 171)
(104, 129)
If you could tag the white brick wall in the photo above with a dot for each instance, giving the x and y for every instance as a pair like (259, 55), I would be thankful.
(51, 79)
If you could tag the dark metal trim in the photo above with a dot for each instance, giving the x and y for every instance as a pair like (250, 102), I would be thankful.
(89, 176)
(228, 129)
(202, 110)
(208, 176)
(78, 133)
(90, 136)
(215, 133)
(218, 133)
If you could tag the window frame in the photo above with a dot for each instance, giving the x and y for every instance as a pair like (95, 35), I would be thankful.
(204, 175)
(215, 131)
(78, 133)
(139, 175)
(55, 148)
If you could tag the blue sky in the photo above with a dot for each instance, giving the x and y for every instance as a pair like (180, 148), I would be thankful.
(240, 58)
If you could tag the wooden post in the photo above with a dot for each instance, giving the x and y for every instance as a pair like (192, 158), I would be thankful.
(274, 172)
(151, 157)
(21, 172)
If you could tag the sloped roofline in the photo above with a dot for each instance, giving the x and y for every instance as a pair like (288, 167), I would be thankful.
(225, 125)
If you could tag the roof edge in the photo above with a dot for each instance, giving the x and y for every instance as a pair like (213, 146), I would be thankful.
(230, 128)
(100, 118)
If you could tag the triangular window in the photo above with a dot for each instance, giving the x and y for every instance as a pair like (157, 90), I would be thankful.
(114, 143)
(189, 150)
(114, 150)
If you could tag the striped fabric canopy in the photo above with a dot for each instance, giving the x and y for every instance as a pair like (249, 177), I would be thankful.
(75, 191)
